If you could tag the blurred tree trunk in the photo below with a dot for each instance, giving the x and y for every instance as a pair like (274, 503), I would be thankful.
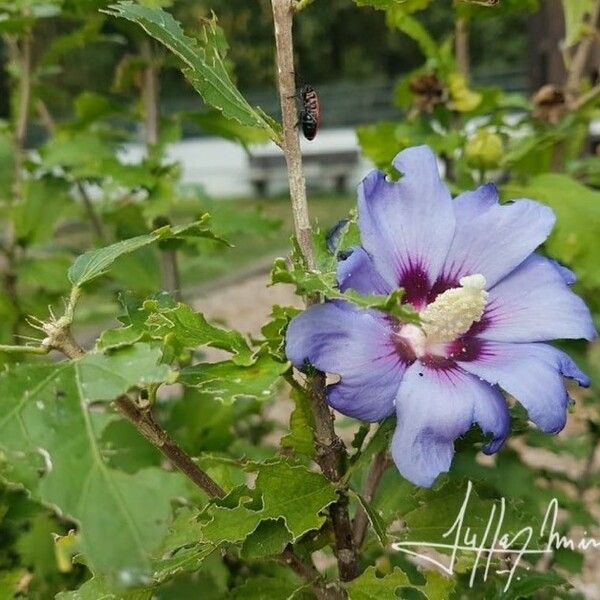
(546, 61)
(546, 32)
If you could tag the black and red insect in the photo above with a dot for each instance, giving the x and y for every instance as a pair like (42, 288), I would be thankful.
(310, 115)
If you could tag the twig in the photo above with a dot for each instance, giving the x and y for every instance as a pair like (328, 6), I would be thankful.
(461, 46)
(283, 12)
(577, 66)
(331, 452)
(378, 467)
(585, 98)
(20, 58)
(150, 94)
(8, 349)
(60, 338)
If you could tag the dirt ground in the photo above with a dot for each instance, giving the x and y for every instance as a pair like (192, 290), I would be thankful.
(245, 305)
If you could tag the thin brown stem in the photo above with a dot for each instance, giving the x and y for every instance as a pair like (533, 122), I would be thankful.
(150, 94)
(576, 69)
(378, 467)
(142, 419)
(49, 124)
(461, 46)
(283, 16)
(331, 452)
(20, 58)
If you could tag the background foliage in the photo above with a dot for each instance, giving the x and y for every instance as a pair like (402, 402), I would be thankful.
(89, 507)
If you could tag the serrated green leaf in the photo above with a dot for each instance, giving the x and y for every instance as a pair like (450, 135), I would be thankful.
(101, 588)
(191, 329)
(204, 59)
(183, 550)
(373, 586)
(105, 376)
(264, 587)
(300, 437)
(294, 494)
(95, 263)
(227, 380)
(50, 442)
(310, 283)
(268, 539)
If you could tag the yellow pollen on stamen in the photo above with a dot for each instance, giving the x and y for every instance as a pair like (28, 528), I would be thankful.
(454, 311)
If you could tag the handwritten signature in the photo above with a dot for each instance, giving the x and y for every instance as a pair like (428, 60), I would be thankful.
(515, 546)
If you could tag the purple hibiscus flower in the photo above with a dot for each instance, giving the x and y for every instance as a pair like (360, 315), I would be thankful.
(485, 299)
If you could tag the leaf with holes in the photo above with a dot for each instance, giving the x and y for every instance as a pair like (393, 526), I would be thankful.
(51, 443)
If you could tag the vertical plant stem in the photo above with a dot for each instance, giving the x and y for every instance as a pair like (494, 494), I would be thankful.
(151, 94)
(50, 125)
(577, 67)
(169, 264)
(331, 452)
(361, 522)
(283, 15)
(20, 57)
(461, 47)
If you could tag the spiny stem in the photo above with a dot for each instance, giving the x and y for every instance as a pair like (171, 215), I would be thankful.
(331, 452)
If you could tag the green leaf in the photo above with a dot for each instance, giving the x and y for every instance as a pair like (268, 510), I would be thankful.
(191, 329)
(406, 6)
(310, 283)
(371, 586)
(95, 263)
(214, 123)
(577, 13)
(50, 442)
(268, 539)
(105, 376)
(300, 437)
(205, 63)
(413, 28)
(183, 549)
(294, 494)
(575, 238)
(227, 381)
(100, 588)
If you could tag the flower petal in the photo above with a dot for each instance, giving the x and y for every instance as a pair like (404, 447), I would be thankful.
(435, 406)
(469, 205)
(495, 239)
(407, 226)
(358, 272)
(533, 374)
(534, 304)
(336, 337)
